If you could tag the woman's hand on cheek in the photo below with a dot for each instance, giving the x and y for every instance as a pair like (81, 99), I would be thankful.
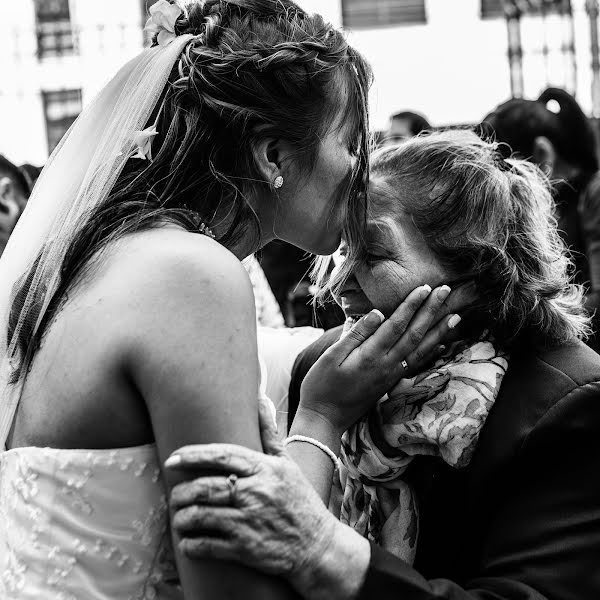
(356, 371)
(443, 330)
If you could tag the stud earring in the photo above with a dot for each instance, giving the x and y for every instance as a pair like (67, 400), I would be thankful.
(278, 182)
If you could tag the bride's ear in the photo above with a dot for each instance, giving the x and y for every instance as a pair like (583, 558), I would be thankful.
(271, 156)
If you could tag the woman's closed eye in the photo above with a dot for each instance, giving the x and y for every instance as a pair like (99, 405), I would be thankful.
(375, 253)
(370, 258)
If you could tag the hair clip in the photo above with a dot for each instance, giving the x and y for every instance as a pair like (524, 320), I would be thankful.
(163, 16)
(143, 142)
(501, 153)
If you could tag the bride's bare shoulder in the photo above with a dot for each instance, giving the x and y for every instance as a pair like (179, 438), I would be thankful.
(171, 259)
(167, 274)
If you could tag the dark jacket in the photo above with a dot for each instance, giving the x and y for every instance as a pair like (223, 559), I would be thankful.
(522, 521)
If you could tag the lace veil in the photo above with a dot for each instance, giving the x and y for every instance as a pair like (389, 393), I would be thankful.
(77, 178)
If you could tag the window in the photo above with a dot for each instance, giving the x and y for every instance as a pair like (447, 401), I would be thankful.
(491, 9)
(146, 4)
(61, 108)
(54, 31)
(358, 14)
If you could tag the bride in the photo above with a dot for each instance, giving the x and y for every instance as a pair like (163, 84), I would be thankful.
(128, 324)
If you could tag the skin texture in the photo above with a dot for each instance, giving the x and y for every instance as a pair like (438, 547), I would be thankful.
(397, 261)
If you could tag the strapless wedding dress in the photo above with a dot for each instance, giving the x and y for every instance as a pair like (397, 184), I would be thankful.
(84, 525)
(88, 524)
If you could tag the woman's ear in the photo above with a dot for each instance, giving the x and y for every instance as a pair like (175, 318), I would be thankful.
(270, 156)
(544, 155)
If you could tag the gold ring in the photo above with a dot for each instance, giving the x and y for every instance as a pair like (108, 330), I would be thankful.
(231, 483)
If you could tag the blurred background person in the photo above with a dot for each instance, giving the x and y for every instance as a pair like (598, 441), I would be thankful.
(554, 133)
(287, 270)
(14, 191)
(31, 172)
(268, 313)
(404, 125)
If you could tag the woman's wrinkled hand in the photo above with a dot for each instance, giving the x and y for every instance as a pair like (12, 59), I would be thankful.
(359, 369)
(254, 509)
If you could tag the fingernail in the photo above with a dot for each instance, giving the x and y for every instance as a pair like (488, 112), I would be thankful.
(348, 325)
(374, 318)
(427, 288)
(453, 321)
(443, 292)
(173, 461)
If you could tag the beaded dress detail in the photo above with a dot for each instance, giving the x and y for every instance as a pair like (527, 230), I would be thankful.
(87, 524)
(90, 524)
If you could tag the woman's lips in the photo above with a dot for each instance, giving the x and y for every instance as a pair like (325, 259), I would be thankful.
(353, 309)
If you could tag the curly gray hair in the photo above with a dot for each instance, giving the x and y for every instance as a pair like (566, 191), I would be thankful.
(490, 220)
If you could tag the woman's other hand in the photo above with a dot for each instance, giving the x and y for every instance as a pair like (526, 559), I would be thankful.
(356, 371)
(259, 510)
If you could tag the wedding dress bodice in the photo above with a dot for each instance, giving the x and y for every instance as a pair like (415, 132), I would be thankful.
(84, 524)
(87, 524)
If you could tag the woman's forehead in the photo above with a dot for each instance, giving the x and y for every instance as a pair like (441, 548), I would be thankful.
(381, 226)
(385, 198)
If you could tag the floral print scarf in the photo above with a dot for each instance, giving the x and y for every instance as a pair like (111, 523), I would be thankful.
(440, 412)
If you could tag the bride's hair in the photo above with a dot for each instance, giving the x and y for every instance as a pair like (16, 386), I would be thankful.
(255, 69)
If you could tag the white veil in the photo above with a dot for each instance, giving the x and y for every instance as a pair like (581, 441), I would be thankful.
(77, 178)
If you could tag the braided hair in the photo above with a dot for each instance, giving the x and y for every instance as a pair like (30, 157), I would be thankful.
(254, 69)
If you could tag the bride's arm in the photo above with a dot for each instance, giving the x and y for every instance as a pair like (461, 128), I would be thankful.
(194, 360)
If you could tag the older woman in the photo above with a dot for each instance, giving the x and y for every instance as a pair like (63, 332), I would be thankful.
(475, 479)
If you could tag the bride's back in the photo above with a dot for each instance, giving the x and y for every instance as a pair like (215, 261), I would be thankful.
(83, 508)
(79, 392)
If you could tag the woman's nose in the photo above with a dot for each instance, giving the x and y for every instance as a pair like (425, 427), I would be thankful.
(350, 285)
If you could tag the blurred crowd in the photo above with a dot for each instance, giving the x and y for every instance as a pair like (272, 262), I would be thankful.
(551, 131)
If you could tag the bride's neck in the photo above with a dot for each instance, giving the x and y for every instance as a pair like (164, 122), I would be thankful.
(247, 245)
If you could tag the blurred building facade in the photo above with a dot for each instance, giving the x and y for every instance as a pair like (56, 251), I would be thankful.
(55, 56)
(452, 60)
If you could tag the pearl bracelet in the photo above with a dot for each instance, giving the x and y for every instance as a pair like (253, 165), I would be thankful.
(318, 444)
